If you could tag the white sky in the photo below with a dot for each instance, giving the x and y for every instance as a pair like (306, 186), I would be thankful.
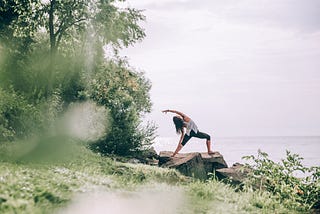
(236, 67)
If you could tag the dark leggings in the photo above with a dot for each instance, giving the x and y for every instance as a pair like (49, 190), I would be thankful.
(199, 134)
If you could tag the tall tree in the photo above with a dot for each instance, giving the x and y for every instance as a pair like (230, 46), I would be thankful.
(69, 26)
(61, 40)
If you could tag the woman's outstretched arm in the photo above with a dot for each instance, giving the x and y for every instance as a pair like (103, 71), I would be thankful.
(185, 117)
(179, 147)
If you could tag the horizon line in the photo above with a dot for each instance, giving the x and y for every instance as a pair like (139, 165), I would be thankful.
(262, 136)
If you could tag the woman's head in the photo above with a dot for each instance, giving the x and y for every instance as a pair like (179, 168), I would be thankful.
(178, 122)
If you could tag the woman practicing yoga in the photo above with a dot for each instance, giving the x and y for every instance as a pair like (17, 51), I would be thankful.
(181, 122)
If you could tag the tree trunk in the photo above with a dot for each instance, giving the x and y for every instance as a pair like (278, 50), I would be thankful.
(51, 27)
(52, 46)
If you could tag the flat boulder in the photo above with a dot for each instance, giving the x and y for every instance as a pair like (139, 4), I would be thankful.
(194, 164)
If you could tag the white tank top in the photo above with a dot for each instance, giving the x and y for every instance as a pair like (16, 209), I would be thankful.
(191, 126)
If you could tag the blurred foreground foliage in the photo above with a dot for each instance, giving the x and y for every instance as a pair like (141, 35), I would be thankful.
(42, 178)
(43, 175)
(16, 115)
(52, 54)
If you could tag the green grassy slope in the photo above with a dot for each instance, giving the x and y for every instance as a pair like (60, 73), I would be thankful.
(49, 186)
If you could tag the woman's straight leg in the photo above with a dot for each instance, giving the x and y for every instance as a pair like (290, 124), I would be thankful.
(203, 135)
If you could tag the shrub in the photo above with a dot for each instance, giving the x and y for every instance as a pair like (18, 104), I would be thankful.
(18, 118)
(21, 119)
(126, 94)
(279, 179)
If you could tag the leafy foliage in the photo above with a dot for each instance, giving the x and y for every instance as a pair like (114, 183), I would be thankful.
(125, 93)
(17, 117)
(18, 22)
(55, 53)
(280, 180)
(21, 119)
(61, 35)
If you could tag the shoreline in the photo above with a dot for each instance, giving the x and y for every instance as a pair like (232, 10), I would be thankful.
(233, 149)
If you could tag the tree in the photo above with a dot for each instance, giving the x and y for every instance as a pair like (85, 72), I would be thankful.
(70, 26)
(17, 27)
(56, 49)
(125, 93)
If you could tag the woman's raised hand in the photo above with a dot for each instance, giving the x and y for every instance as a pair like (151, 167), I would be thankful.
(165, 111)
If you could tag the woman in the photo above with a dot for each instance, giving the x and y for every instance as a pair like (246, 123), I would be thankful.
(183, 122)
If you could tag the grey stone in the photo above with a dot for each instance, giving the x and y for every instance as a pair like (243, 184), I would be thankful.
(235, 174)
(195, 164)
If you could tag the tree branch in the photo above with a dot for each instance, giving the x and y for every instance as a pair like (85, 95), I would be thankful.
(65, 28)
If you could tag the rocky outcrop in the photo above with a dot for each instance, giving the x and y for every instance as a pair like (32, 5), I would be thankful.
(235, 174)
(194, 164)
(213, 162)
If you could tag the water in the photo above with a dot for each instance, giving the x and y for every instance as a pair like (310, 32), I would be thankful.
(233, 149)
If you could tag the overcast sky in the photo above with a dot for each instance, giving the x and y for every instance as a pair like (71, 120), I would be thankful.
(236, 67)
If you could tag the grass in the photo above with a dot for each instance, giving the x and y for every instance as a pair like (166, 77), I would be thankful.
(33, 185)
(29, 187)
(215, 197)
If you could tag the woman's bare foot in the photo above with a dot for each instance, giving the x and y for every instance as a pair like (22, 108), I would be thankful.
(211, 152)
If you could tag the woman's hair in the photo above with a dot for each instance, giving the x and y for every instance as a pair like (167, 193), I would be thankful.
(178, 122)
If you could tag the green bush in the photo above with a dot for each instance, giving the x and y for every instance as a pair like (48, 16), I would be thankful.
(18, 118)
(301, 193)
(50, 61)
(126, 94)
(21, 119)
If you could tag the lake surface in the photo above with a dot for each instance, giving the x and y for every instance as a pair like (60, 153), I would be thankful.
(234, 148)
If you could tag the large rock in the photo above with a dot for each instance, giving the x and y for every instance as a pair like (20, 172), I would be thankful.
(235, 174)
(213, 162)
(194, 164)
